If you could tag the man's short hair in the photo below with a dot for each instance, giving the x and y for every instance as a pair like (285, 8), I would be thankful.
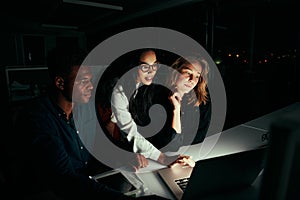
(60, 61)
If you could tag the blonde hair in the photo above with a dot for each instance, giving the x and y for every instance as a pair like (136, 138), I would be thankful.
(200, 94)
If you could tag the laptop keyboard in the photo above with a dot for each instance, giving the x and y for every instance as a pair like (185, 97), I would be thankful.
(182, 183)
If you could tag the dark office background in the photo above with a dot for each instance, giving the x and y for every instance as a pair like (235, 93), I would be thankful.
(255, 44)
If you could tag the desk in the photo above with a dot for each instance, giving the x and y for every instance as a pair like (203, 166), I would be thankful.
(265, 121)
(236, 139)
(239, 138)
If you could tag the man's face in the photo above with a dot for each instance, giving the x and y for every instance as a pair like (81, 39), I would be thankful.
(82, 85)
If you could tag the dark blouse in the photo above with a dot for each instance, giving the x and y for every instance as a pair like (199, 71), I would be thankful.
(194, 120)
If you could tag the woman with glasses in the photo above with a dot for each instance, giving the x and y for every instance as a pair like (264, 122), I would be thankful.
(143, 69)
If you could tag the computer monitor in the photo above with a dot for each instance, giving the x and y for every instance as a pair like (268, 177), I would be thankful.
(281, 178)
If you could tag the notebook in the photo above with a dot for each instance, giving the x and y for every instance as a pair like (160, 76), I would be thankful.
(216, 175)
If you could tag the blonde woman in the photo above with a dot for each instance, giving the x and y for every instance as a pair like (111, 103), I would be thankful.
(191, 107)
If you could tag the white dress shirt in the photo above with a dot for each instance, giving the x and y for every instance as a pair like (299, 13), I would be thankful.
(122, 116)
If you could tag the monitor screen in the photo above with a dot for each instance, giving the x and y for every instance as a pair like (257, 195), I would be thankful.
(281, 176)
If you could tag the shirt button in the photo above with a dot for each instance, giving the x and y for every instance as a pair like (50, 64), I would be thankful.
(86, 162)
(77, 132)
(81, 147)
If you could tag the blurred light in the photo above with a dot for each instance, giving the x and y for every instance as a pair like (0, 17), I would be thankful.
(59, 26)
(229, 55)
(94, 4)
(237, 55)
(218, 61)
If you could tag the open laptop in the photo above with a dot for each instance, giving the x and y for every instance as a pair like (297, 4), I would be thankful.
(215, 175)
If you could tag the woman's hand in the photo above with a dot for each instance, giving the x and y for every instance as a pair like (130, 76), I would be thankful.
(176, 101)
(137, 162)
(176, 122)
(183, 160)
(171, 161)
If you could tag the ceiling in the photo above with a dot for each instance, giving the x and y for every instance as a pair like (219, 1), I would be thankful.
(96, 15)
(82, 14)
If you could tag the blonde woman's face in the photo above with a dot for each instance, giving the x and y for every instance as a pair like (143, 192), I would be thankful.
(147, 68)
(188, 78)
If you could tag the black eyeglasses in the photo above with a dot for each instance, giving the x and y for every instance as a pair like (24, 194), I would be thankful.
(146, 67)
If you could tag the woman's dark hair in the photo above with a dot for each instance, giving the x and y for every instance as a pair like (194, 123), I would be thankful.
(130, 84)
(113, 75)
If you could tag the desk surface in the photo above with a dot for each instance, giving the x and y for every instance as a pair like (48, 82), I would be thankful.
(236, 139)
(265, 121)
(240, 138)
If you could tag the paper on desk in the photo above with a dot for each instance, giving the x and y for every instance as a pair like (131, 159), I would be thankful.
(152, 166)
(197, 151)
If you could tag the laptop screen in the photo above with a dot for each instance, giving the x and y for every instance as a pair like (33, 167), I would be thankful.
(215, 175)
(225, 174)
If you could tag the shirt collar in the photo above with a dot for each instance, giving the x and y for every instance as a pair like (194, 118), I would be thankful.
(60, 112)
